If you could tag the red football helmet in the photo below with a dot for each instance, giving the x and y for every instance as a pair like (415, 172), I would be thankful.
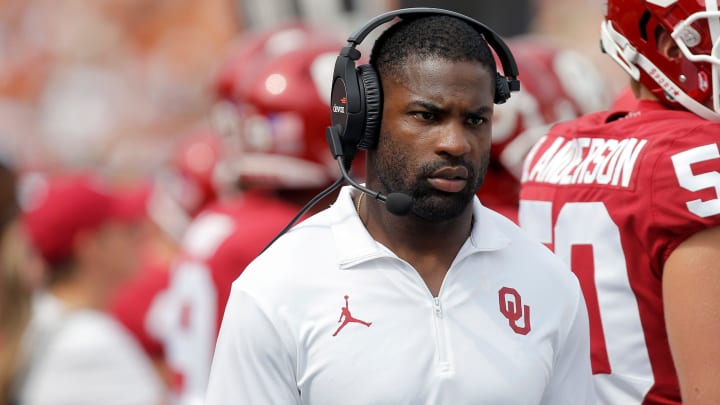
(690, 80)
(274, 108)
(253, 48)
(556, 84)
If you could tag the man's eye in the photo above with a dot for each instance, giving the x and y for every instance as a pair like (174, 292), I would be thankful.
(424, 115)
(476, 121)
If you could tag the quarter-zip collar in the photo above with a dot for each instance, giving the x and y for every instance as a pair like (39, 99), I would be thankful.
(355, 245)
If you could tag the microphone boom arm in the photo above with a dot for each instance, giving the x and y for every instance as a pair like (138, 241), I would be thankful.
(374, 194)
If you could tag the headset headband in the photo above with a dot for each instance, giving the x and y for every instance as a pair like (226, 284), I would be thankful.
(510, 70)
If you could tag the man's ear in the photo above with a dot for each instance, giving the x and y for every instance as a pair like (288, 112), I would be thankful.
(667, 46)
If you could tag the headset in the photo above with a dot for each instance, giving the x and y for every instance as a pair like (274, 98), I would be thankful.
(356, 96)
(356, 102)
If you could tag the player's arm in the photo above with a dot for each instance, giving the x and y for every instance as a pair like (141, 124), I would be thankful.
(691, 291)
(251, 364)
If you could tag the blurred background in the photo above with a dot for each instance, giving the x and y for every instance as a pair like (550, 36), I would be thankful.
(112, 84)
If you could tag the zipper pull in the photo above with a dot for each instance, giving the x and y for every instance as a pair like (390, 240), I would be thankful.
(436, 306)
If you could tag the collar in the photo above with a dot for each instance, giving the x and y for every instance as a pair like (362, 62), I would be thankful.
(355, 245)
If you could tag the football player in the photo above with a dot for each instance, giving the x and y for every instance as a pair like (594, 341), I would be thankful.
(184, 186)
(631, 199)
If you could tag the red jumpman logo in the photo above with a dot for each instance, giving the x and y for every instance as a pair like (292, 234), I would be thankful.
(345, 314)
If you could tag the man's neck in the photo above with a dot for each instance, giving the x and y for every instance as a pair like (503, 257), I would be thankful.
(429, 247)
(641, 92)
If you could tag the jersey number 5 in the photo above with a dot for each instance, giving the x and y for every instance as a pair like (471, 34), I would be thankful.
(695, 182)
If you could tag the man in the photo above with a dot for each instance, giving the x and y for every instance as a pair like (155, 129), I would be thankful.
(450, 304)
(88, 233)
(631, 199)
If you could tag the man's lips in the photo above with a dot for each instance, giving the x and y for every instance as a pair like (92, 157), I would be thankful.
(449, 179)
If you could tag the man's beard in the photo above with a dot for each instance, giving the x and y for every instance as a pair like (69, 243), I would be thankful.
(393, 170)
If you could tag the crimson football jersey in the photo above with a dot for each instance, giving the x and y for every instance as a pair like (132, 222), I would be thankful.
(220, 242)
(613, 195)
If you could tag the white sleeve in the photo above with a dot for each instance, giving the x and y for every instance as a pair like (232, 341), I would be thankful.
(93, 362)
(571, 381)
(251, 364)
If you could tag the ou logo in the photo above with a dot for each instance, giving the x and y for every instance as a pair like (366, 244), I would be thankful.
(512, 308)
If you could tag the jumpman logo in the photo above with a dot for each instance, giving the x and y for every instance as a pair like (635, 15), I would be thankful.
(346, 317)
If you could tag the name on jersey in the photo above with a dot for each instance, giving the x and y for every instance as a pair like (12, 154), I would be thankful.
(583, 161)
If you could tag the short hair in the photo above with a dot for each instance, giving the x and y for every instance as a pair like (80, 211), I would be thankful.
(434, 36)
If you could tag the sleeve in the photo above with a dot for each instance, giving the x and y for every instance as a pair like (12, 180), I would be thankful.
(572, 381)
(251, 365)
(686, 192)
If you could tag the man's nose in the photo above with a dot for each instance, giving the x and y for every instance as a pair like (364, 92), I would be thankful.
(453, 139)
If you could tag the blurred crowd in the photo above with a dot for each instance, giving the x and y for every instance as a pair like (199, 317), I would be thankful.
(105, 84)
(143, 163)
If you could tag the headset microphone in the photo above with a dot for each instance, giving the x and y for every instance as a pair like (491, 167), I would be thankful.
(399, 204)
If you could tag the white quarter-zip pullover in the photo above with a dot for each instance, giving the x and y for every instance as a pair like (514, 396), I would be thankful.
(327, 315)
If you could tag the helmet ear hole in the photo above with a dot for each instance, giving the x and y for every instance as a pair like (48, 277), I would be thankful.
(667, 46)
(373, 106)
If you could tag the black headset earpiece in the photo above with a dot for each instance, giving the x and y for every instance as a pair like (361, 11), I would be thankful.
(356, 95)
(502, 88)
(371, 91)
